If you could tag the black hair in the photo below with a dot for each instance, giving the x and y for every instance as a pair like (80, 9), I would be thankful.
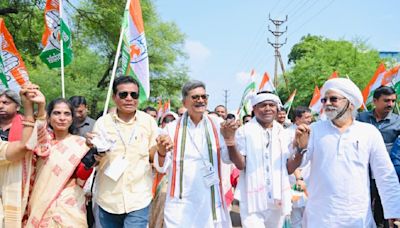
(123, 80)
(76, 101)
(215, 113)
(299, 111)
(230, 116)
(215, 109)
(149, 108)
(245, 116)
(50, 107)
(383, 90)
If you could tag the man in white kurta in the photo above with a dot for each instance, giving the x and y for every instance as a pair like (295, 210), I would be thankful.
(260, 150)
(191, 202)
(340, 150)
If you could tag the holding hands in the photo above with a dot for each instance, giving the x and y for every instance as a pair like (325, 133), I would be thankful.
(164, 144)
(228, 130)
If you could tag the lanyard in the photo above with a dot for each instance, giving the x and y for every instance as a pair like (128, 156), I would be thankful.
(122, 139)
(197, 148)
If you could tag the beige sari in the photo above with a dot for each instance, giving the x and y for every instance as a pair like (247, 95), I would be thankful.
(14, 181)
(56, 199)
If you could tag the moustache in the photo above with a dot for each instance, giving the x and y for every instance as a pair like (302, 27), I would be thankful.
(331, 108)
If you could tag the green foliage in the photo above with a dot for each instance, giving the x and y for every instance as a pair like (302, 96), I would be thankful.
(81, 76)
(95, 26)
(315, 60)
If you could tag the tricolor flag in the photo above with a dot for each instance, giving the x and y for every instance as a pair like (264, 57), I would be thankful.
(315, 104)
(245, 107)
(289, 102)
(13, 72)
(51, 37)
(392, 78)
(135, 58)
(374, 83)
(266, 84)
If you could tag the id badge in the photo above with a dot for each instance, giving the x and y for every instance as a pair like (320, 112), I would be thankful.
(209, 175)
(116, 168)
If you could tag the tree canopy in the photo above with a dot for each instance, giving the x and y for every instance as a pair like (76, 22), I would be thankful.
(95, 26)
(315, 58)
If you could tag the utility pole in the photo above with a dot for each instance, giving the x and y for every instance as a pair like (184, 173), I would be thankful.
(276, 45)
(226, 99)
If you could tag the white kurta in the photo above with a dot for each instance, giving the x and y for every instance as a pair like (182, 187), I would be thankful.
(194, 208)
(339, 179)
(264, 183)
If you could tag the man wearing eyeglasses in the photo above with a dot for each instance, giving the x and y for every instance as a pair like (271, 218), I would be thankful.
(388, 123)
(195, 196)
(260, 149)
(341, 150)
(124, 176)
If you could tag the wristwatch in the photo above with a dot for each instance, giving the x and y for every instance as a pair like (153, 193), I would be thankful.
(301, 151)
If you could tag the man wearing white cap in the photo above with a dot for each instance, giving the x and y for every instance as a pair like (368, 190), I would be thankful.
(260, 149)
(340, 150)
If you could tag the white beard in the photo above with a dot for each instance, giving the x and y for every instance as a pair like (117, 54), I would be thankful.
(332, 112)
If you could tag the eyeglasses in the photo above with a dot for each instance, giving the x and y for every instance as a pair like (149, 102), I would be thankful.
(197, 97)
(332, 99)
(168, 120)
(123, 95)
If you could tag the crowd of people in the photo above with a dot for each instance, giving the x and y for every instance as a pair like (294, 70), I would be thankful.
(137, 168)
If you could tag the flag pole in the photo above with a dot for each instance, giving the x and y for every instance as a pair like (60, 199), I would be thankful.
(114, 70)
(62, 53)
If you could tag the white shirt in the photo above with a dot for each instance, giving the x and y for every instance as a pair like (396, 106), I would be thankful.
(338, 188)
(194, 209)
(253, 187)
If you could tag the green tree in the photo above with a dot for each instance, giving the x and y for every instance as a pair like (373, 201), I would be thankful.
(95, 29)
(164, 40)
(315, 58)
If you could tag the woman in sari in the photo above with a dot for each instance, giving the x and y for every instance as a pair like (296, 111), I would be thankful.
(57, 198)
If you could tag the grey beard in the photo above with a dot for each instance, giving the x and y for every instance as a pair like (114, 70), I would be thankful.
(331, 115)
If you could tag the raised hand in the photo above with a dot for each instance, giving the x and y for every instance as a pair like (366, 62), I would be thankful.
(302, 135)
(228, 130)
(31, 93)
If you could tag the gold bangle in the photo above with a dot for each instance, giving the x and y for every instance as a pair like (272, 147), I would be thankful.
(27, 120)
(28, 124)
(43, 117)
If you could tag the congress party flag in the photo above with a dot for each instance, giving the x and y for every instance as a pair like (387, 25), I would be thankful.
(135, 58)
(13, 73)
(55, 28)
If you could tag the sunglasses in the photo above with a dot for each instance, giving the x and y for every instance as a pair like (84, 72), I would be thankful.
(332, 99)
(123, 95)
(168, 120)
(197, 97)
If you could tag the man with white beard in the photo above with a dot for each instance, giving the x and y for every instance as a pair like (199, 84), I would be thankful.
(340, 150)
